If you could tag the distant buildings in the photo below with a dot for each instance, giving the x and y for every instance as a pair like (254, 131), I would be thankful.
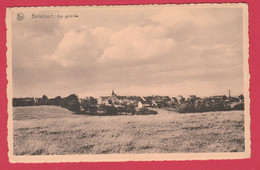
(115, 99)
(140, 101)
(83, 104)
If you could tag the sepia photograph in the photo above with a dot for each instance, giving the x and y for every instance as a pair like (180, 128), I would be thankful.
(128, 83)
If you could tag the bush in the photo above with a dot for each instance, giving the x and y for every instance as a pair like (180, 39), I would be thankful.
(111, 110)
(93, 109)
(145, 111)
(239, 106)
(73, 106)
(130, 109)
(71, 103)
(183, 108)
(201, 106)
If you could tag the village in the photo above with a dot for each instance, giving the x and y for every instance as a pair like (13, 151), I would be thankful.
(116, 104)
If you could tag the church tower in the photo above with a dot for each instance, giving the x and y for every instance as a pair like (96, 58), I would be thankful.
(113, 93)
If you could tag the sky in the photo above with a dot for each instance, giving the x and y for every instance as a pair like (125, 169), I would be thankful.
(135, 50)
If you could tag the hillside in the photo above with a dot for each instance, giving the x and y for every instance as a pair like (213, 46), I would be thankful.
(43, 130)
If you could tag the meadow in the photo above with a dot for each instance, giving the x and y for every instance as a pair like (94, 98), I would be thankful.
(52, 130)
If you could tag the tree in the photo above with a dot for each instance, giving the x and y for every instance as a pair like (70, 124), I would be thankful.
(45, 100)
(93, 101)
(58, 101)
(241, 97)
(72, 103)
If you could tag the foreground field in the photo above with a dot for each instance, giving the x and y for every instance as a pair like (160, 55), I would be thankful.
(44, 130)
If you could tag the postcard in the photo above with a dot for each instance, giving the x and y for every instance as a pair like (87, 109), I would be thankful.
(128, 83)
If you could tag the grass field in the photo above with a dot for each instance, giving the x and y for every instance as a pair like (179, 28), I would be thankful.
(44, 130)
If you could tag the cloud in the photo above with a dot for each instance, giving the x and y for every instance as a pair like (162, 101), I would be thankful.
(80, 44)
(135, 51)
(136, 43)
(106, 45)
(70, 47)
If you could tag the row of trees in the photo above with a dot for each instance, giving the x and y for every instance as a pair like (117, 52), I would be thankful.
(193, 106)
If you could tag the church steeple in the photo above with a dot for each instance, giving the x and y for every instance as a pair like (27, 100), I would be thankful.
(113, 93)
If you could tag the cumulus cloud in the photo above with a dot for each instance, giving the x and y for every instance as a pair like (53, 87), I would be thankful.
(136, 43)
(80, 44)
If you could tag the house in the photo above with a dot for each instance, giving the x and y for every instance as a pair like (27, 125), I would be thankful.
(215, 98)
(162, 101)
(220, 97)
(234, 99)
(192, 98)
(180, 99)
(126, 100)
(143, 102)
(115, 99)
(37, 101)
(99, 100)
(174, 100)
(110, 100)
(42, 101)
(139, 104)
